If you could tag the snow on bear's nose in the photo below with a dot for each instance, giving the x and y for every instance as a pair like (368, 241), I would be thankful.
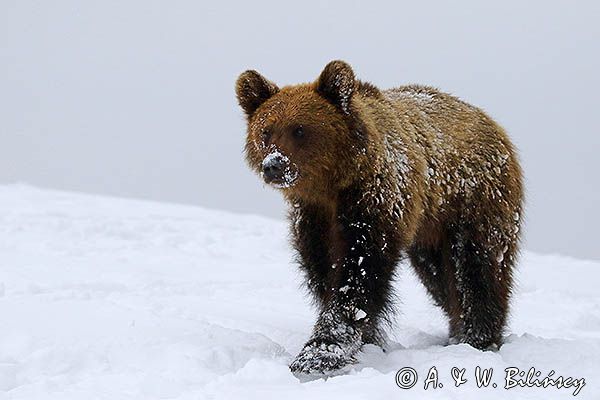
(273, 167)
(278, 170)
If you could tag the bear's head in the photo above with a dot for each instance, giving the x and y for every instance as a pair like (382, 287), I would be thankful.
(304, 138)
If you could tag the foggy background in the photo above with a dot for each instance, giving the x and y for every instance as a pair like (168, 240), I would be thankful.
(136, 98)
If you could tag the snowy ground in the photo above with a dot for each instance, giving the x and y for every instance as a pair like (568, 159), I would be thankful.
(118, 299)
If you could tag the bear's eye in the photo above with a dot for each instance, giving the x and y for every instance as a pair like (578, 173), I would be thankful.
(265, 135)
(298, 132)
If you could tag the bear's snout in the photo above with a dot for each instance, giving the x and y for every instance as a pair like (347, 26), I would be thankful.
(278, 170)
(273, 167)
(273, 171)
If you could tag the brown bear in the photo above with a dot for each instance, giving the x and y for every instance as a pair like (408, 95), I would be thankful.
(372, 175)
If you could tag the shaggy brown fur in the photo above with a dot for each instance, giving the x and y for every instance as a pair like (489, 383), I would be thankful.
(373, 174)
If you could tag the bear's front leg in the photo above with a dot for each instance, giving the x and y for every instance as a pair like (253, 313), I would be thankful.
(334, 343)
(356, 293)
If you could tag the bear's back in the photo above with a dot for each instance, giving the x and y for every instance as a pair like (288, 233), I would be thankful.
(466, 153)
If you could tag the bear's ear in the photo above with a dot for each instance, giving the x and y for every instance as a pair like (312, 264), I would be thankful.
(337, 84)
(252, 89)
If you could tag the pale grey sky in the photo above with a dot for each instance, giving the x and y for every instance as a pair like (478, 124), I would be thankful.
(136, 99)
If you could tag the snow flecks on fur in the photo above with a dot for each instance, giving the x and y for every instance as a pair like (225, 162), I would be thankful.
(388, 191)
(453, 168)
(500, 255)
(344, 289)
(345, 88)
(359, 314)
(415, 93)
